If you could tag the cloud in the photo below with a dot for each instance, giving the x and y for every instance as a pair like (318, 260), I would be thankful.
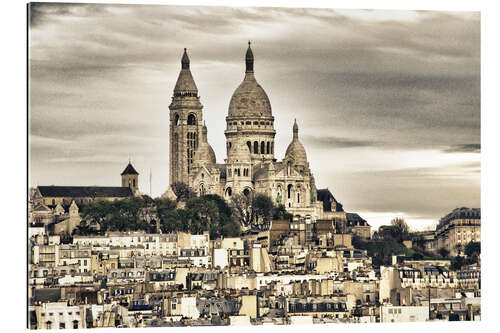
(464, 148)
(383, 82)
(337, 142)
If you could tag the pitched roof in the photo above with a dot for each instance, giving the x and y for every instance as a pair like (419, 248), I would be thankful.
(85, 191)
(129, 170)
(354, 219)
(47, 295)
(326, 196)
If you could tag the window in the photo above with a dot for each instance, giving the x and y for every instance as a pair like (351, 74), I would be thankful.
(174, 306)
(75, 324)
(191, 119)
(255, 147)
(176, 121)
(262, 147)
(249, 144)
(268, 150)
(289, 191)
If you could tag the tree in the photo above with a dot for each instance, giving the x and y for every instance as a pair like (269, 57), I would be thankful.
(401, 227)
(227, 224)
(473, 248)
(443, 252)
(203, 215)
(168, 215)
(457, 263)
(242, 211)
(182, 191)
(263, 208)
(280, 213)
(98, 212)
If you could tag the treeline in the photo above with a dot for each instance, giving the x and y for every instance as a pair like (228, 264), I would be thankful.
(388, 241)
(198, 214)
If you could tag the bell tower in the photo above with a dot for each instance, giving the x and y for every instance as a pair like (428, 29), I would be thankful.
(186, 123)
(130, 178)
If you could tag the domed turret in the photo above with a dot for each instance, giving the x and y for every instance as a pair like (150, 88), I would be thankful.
(295, 150)
(204, 154)
(249, 99)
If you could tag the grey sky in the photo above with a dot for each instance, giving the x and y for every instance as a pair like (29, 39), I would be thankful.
(387, 102)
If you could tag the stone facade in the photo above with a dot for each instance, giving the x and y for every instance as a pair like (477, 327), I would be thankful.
(250, 166)
(457, 229)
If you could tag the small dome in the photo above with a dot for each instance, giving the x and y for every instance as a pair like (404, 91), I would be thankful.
(296, 150)
(249, 99)
(204, 154)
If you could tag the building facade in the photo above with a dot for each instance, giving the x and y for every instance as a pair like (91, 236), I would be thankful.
(250, 166)
(457, 229)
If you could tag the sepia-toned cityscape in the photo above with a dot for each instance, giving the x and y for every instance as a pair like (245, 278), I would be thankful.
(168, 188)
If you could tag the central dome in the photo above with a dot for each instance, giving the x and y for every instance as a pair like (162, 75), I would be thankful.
(249, 99)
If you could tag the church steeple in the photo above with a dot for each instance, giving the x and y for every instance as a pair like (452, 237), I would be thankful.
(185, 85)
(186, 122)
(295, 130)
(185, 60)
(249, 59)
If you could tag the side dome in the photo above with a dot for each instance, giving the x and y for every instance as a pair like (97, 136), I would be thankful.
(296, 150)
(249, 99)
(204, 153)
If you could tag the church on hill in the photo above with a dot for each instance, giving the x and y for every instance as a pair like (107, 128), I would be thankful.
(250, 166)
(61, 204)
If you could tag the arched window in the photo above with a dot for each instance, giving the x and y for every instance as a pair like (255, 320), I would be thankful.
(239, 172)
(288, 169)
(249, 144)
(229, 192)
(289, 191)
(268, 150)
(246, 192)
(176, 122)
(255, 147)
(272, 147)
(191, 119)
(298, 197)
(202, 189)
(262, 147)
